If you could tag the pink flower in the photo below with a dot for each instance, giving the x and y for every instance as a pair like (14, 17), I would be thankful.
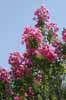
(57, 44)
(19, 71)
(15, 58)
(49, 52)
(42, 14)
(33, 38)
(27, 58)
(16, 98)
(53, 28)
(4, 76)
(64, 35)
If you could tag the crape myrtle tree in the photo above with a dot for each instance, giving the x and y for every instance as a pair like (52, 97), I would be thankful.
(39, 72)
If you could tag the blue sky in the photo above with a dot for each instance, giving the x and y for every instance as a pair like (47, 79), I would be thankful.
(16, 14)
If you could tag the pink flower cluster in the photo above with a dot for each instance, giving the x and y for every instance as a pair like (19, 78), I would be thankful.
(49, 52)
(42, 14)
(5, 76)
(64, 35)
(32, 35)
(19, 71)
(54, 28)
(18, 67)
(27, 58)
(57, 44)
(15, 58)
